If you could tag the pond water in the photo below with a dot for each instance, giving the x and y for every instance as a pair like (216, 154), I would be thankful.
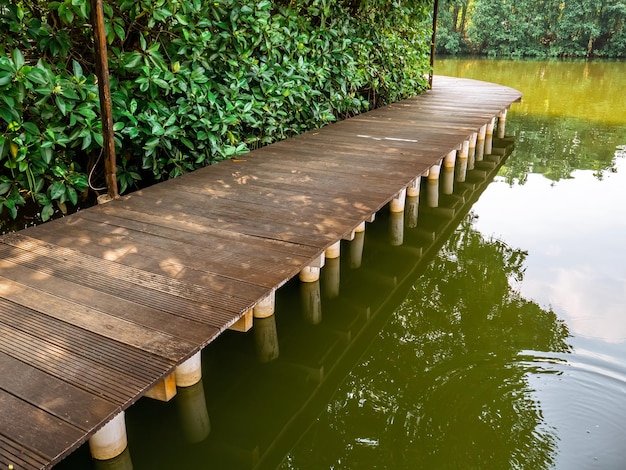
(493, 340)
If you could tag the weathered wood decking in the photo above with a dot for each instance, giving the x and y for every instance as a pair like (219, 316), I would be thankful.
(97, 307)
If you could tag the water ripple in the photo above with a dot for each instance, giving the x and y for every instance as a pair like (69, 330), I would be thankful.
(582, 396)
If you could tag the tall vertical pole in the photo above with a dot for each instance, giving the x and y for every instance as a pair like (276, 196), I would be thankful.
(433, 43)
(102, 72)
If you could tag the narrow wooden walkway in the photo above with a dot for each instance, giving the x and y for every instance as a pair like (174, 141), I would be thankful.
(98, 307)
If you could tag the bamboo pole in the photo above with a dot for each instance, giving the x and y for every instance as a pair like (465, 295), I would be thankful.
(102, 72)
(433, 44)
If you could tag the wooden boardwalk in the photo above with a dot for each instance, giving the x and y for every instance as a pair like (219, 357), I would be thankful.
(98, 307)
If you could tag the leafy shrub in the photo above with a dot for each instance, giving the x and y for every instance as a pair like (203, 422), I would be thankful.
(192, 83)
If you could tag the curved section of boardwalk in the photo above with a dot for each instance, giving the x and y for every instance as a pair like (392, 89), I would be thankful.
(98, 307)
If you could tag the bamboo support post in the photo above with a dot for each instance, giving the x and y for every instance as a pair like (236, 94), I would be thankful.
(433, 171)
(266, 306)
(490, 126)
(502, 124)
(450, 159)
(311, 273)
(110, 441)
(413, 189)
(189, 372)
(397, 203)
(333, 251)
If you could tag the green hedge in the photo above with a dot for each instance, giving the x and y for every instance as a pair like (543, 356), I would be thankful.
(193, 82)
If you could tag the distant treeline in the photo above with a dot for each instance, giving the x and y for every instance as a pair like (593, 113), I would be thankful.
(532, 28)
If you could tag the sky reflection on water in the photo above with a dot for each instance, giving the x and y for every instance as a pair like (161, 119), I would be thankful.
(574, 232)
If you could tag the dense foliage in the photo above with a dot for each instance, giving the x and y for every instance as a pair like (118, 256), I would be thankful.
(533, 28)
(193, 82)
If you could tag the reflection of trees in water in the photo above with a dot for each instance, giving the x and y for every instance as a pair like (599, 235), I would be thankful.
(450, 389)
(555, 147)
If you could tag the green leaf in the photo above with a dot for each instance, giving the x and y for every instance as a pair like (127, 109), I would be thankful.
(86, 141)
(31, 128)
(69, 93)
(86, 111)
(46, 154)
(61, 105)
(152, 143)
(9, 115)
(18, 58)
(5, 78)
(97, 136)
(71, 194)
(10, 205)
(132, 60)
(78, 70)
(42, 199)
(5, 187)
(47, 212)
(4, 146)
(57, 190)
(37, 76)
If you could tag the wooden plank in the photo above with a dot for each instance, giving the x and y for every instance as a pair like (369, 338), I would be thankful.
(26, 424)
(14, 453)
(52, 395)
(121, 296)
(37, 291)
(99, 366)
(225, 264)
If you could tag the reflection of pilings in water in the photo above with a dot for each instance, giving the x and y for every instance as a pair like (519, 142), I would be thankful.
(502, 124)
(193, 413)
(447, 180)
(311, 302)
(266, 338)
(396, 228)
(331, 278)
(432, 193)
(412, 202)
(411, 211)
(355, 250)
(447, 183)
(121, 462)
(488, 144)
(460, 171)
